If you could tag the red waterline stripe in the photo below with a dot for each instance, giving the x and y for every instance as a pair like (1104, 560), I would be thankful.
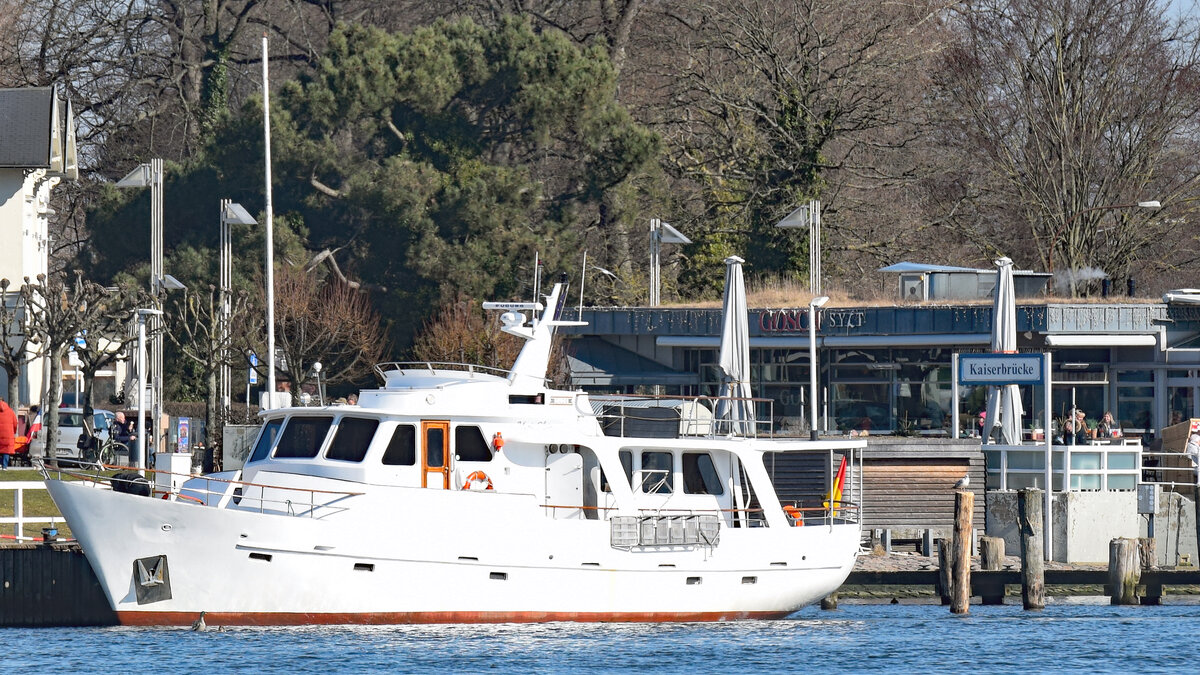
(138, 618)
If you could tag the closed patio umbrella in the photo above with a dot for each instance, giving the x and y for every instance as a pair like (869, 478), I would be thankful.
(735, 412)
(1004, 402)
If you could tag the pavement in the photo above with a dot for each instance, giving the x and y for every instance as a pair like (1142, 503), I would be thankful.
(883, 562)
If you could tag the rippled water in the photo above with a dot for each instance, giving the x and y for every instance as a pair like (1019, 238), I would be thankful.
(855, 638)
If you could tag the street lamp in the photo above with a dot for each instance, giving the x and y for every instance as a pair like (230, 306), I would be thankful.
(1153, 204)
(808, 216)
(141, 457)
(812, 361)
(150, 175)
(231, 214)
(661, 233)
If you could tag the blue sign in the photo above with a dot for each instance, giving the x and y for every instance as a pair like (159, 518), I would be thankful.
(999, 369)
(185, 428)
(253, 372)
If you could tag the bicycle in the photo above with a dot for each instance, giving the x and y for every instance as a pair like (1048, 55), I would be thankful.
(104, 453)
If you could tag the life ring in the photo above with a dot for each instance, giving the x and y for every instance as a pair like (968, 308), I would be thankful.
(795, 515)
(478, 480)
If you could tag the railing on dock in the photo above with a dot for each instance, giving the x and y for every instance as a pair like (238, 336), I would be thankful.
(1095, 467)
(19, 519)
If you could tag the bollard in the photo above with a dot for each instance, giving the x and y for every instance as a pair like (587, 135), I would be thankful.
(1124, 570)
(1033, 571)
(49, 535)
(960, 583)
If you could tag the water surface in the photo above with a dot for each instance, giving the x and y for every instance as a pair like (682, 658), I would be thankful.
(855, 638)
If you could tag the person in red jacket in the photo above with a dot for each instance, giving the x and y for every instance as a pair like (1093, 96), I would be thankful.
(8, 434)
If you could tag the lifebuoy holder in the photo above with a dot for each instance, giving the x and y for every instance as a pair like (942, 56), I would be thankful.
(478, 480)
(794, 514)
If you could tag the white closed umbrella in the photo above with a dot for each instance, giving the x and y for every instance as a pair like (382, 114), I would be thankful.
(735, 413)
(1004, 402)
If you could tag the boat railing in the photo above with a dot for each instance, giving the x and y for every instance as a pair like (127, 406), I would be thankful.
(633, 415)
(429, 367)
(208, 491)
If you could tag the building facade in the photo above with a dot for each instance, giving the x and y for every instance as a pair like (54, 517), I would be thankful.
(37, 152)
(888, 369)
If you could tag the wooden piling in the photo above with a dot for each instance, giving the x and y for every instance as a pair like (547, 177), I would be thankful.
(991, 558)
(1124, 570)
(830, 601)
(991, 553)
(1033, 570)
(944, 557)
(960, 584)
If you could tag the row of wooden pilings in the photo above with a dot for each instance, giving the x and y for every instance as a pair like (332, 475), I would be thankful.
(1127, 559)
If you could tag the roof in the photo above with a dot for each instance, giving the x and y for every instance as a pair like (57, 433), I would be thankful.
(595, 362)
(928, 268)
(26, 133)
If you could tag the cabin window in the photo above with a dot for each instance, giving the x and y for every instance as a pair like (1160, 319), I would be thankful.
(303, 436)
(435, 444)
(470, 446)
(351, 439)
(627, 464)
(402, 449)
(700, 475)
(265, 440)
(657, 473)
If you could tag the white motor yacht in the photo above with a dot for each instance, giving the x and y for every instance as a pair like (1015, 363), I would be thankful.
(462, 494)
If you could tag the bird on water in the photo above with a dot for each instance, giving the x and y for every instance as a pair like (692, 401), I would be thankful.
(963, 482)
(198, 625)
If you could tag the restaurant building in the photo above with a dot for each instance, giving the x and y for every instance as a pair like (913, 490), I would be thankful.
(888, 369)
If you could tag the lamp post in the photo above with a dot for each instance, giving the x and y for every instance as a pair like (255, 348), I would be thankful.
(150, 175)
(661, 233)
(809, 216)
(1153, 204)
(231, 214)
(812, 362)
(141, 459)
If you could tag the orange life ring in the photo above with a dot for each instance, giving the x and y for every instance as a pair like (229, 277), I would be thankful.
(478, 480)
(795, 515)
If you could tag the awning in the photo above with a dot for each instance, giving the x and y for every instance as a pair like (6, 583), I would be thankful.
(595, 362)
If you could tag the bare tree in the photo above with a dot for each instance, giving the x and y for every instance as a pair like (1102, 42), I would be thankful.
(780, 102)
(327, 322)
(461, 333)
(1069, 114)
(60, 311)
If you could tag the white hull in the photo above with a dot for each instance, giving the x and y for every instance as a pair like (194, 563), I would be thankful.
(408, 570)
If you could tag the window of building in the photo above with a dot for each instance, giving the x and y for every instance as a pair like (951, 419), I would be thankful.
(1135, 400)
(266, 439)
(658, 473)
(470, 446)
(302, 437)
(402, 449)
(351, 439)
(700, 475)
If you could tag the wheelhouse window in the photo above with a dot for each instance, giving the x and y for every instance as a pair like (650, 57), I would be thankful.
(700, 475)
(266, 439)
(657, 473)
(470, 446)
(402, 449)
(303, 436)
(351, 439)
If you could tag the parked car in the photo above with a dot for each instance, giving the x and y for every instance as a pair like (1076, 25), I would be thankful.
(70, 428)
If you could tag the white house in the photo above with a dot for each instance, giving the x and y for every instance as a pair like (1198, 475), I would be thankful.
(37, 151)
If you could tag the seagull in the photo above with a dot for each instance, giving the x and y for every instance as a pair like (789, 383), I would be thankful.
(963, 482)
(198, 625)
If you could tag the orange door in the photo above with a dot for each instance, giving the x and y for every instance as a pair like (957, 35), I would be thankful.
(435, 455)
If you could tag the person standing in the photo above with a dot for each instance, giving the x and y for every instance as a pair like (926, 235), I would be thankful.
(8, 434)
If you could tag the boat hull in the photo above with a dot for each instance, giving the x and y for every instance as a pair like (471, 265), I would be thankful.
(464, 565)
